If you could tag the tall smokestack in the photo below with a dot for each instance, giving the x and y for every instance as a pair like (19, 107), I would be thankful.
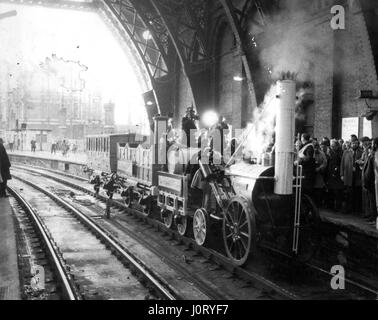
(285, 130)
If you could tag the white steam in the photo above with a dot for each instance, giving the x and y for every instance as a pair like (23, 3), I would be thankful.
(260, 131)
(292, 44)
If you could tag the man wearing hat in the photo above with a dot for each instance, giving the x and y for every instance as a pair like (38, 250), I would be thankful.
(366, 150)
(188, 125)
(369, 183)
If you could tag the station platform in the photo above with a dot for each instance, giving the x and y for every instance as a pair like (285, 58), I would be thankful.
(348, 240)
(350, 222)
(72, 163)
(9, 276)
(77, 158)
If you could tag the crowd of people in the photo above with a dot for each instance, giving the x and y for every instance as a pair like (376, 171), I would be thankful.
(64, 146)
(340, 175)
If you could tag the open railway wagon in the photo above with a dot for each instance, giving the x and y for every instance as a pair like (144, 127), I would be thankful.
(247, 203)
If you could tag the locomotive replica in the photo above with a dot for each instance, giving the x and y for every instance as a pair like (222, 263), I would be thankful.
(248, 203)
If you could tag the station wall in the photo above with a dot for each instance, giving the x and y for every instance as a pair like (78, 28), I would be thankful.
(349, 67)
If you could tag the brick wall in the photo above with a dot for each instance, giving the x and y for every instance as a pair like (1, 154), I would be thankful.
(323, 83)
(338, 78)
(349, 68)
(357, 70)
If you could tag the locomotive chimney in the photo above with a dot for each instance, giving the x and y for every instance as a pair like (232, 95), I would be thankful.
(285, 130)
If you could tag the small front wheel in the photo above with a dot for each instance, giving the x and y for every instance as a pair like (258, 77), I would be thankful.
(200, 226)
(167, 218)
(182, 225)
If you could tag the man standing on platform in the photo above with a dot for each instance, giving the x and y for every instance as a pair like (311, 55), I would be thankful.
(4, 170)
(350, 172)
(369, 184)
(34, 145)
(307, 160)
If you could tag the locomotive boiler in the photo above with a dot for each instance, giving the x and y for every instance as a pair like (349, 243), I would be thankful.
(280, 213)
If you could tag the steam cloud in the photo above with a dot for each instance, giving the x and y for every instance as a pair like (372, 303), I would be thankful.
(260, 131)
(291, 47)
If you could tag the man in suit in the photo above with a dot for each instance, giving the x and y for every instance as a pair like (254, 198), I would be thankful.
(189, 126)
(307, 160)
(4, 170)
(375, 156)
(366, 150)
(350, 172)
(370, 175)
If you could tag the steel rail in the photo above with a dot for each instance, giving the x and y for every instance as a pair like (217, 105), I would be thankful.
(217, 257)
(161, 287)
(206, 252)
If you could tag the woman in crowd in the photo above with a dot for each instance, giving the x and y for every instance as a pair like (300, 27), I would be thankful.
(334, 183)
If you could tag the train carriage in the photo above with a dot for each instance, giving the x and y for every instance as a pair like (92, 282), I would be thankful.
(102, 150)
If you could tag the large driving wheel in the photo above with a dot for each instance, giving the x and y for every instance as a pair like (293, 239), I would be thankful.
(309, 232)
(200, 226)
(182, 225)
(239, 230)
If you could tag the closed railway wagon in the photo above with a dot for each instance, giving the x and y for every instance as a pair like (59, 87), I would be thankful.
(101, 150)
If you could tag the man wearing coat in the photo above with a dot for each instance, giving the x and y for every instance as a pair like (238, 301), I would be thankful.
(350, 173)
(4, 170)
(334, 183)
(369, 184)
(307, 160)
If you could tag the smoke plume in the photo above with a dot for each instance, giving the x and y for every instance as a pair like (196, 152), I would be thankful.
(290, 44)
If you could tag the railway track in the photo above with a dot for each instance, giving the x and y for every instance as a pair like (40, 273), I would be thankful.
(213, 273)
(37, 248)
(212, 257)
(90, 264)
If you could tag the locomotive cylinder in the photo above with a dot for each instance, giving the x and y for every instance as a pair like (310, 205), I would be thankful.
(284, 147)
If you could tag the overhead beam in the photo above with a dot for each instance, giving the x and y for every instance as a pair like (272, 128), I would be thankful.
(185, 33)
(234, 23)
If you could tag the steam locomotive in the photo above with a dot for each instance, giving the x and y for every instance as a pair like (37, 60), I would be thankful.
(251, 203)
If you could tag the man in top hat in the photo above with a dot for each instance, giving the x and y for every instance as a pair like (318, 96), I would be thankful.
(189, 126)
